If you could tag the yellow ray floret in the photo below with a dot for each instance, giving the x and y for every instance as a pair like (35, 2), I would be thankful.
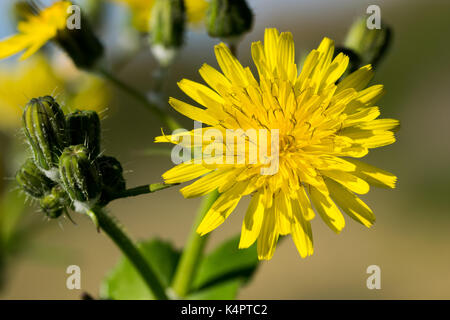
(36, 31)
(321, 125)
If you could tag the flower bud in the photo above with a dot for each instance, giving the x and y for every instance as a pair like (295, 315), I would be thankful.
(83, 127)
(54, 204)
(79, 41)
(45, 129)
(369, 44)
(228, 19)
(112, 178)
(167, 29)
(33, 181)
(80, 177)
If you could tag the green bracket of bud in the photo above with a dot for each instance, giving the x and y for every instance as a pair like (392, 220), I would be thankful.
(228, 19)
(80, 177)
(45, 129)
(83, 127)
(32, 181)
(55, 203)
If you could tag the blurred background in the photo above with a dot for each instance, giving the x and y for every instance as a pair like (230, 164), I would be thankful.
(410, 240)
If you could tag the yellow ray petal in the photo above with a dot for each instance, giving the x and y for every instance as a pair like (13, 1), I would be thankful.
(350, 181)
(373, 175)
(302, 233)
(221, 209)
(327, 210)
(351, 204)
(185, 172)
(268, 235)
(252, 222)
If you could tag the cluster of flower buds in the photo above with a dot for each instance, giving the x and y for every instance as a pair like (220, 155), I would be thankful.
(66, 169)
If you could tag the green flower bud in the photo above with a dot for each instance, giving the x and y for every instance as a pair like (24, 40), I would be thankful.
(80, 177)
(79, 41)
(112, 178)
(54, 204)
(83, 127)
(32, 180)
(45, 129)
(228, 19)
(167, 27)
(369, 44)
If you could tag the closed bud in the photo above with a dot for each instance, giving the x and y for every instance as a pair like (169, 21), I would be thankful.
(112, 178)
(79, 41)
(45, 129)
(369, 44)
(32, 181)
(167, 29)
(83, 127)
(80, 177)
(228, 19)
(55, 203)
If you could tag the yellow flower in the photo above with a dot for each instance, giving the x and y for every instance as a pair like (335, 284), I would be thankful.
(141, 11)
(322, 126)
(35, 77)
(36, 31)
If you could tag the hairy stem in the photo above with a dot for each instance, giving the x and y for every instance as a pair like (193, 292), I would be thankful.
(129, 249)
(193, 250)
(170, 122)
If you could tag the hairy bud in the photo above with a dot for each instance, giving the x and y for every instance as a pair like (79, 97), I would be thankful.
(228, 19)
(54, 203)
(45, 129)
(32, 181)
(112, 177)
(83, 127)
(80, 177)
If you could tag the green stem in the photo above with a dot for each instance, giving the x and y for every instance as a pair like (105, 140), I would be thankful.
(145, 189)
(129, 249)
(193, 250)
(171, 123)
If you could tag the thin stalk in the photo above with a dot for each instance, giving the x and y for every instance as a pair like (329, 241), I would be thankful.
(129, 249)
(193, 250)
(145, 189)
(171, 123)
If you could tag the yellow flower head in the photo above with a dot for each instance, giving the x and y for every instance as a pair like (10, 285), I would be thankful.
(36, 31)
(141, 11)
(321, 127)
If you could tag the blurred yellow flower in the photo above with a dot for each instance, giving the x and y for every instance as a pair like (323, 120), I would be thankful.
(19, 82)
(141, 11)
(36, 31)
(321, 126)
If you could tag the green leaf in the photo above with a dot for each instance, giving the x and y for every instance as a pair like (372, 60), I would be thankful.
(226, 290)
(225, 263)
(124, 283)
